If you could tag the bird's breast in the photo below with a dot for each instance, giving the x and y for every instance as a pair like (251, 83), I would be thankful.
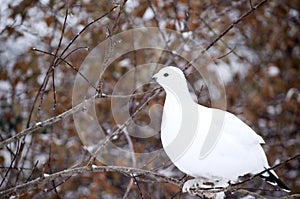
(171, 120)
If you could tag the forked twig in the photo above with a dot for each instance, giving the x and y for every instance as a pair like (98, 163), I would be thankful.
(120, 128)
(234, 23)
(41, 182)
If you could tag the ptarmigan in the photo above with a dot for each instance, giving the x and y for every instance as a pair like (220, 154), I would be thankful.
(208, 144)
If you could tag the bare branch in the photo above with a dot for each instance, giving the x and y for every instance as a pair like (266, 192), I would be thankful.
(236, 186)
(41, 182)
(79, 107)
(249, 12)
(268, 169)
(42, 124)
(120, 128)
(297, 195)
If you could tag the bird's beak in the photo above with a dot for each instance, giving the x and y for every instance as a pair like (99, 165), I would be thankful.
(154, 78)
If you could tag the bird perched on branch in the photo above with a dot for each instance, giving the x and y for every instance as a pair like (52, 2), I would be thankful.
(211, 145)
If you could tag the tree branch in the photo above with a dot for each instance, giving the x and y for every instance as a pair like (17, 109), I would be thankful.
(41, 182)
(47, 122)
(234, 23)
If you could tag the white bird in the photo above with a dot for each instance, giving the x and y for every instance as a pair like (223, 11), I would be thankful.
(208, 144)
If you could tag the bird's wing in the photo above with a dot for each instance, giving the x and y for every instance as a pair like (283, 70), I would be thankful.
(239, 130)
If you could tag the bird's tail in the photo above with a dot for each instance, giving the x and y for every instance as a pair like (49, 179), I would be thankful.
(271, 177)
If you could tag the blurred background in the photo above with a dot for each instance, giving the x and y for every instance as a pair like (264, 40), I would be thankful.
(258, 60)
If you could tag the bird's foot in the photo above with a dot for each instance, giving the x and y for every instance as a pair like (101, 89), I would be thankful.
(199, 187)
(192, 185)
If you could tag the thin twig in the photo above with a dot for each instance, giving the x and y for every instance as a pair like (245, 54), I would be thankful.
(32, 170)
(63, 59)
(45, 81)
(249, 12)
(297, 195)
(137, 185)
(41, 182)
(44, 123)
(85, 28)
(122, 6)
(268, 169)
(234, 186)
(34, 128)
(119, 129)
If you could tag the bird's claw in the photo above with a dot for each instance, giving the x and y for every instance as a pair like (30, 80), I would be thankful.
(198, 187)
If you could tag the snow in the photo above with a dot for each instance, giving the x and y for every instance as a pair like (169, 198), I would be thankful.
(273, 71)
(5, 86)
(126, 63)
(148, 14)
(225, 71)
(131, 5)
(94, 166)
(274, 110)
(187, 35)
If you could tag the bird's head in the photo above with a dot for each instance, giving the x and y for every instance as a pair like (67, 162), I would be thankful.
(170, 77)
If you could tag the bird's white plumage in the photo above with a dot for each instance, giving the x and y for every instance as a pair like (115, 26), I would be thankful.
(236, 150)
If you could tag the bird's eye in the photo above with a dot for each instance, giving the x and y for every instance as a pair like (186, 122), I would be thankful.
(166, 74)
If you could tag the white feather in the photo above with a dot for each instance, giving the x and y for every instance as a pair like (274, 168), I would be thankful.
(237, 149)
